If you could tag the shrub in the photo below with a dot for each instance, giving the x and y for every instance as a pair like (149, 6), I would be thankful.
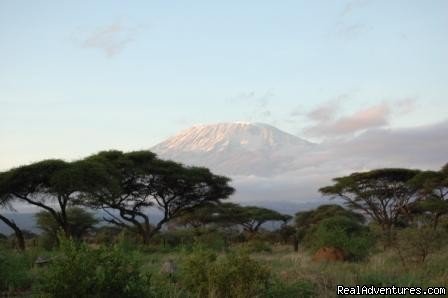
(344, 233)
(257, 246)
(14, 271)
(81, 272)
(232, 275)
(236, 275)
(415, 244)
(196, 272)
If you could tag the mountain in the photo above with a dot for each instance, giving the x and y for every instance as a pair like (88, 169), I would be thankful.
(239, 148)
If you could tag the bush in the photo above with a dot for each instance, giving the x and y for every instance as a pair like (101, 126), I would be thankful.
(14, 272)
(81, 272)
(237, 276)
(196, 269)
(257, 246)
(232, 275)
(344, 233)
(415, 244)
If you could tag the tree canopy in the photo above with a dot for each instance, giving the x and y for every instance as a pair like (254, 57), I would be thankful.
(139, 180)
(384, 194)
(52, 185)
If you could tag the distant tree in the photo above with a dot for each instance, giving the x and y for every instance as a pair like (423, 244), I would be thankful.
(305, 219)
(5, 203)
(251, 218)
(142, 181)
(288, 234)
(384, 194)
(52, 185)
(79, 220)
(201, 216)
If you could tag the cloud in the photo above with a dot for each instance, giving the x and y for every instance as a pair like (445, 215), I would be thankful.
(351, 31)
(406, 105)
(374, 116)
(111, 39)
(257, 104)
(325, 112)
(328, 124)
(353, 5)
(345, 28)
(297, 112)
(423, 147)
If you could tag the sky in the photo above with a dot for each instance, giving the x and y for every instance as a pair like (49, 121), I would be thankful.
(77, 77)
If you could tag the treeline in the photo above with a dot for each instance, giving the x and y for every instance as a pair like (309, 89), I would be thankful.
(124, 186)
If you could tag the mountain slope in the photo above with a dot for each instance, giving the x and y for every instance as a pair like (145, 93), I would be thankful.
(235, 148)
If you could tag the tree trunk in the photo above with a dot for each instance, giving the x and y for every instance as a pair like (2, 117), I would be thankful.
(17, 231)
(387, 232)
(436, 221)
(296, 244)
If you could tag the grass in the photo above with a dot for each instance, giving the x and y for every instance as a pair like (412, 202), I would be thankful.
(294, 270)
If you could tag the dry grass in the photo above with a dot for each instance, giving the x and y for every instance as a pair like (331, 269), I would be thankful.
(382, 268)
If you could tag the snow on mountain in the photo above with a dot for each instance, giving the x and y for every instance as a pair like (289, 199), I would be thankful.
(239, 148)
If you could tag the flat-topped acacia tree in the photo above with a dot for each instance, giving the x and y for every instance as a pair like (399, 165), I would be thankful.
(383, 195)
(140, 180)
(52, 185)
(250, 218)
(5, 203)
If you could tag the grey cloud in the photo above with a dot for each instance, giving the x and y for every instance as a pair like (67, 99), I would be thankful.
(328, 124)
(351, 31)
(324, 112)
(406, 105)
(110, 39)
(257, 104)
(345, 28)
(353, 5)
(329, 109)
(375, 116)
(424, 147)
(297, 112)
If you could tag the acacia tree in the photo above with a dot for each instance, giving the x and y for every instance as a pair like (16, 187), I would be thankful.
(140, 181)
(305, 220)
(201, 216)
(52, 185)
(80, 221)
(383, 195)
(251, 218)
(5, 203)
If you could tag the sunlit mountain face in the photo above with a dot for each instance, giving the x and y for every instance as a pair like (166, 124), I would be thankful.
(239, 148)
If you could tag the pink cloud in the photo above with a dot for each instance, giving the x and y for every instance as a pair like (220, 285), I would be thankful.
(370, 117)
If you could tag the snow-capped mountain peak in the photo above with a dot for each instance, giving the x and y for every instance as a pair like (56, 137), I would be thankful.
(232, 148)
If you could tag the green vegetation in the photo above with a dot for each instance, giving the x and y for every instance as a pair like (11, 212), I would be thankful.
(79, 271)
(392, 231)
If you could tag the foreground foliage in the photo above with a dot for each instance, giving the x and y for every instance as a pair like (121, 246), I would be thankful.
(78, 271)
